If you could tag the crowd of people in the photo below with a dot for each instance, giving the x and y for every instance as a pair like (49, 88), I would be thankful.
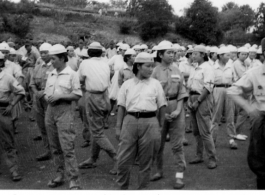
(154, 88)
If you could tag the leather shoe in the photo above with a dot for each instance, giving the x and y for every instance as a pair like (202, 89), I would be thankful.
(87, 164)
(85, 144)
(233, 145)
(156, 177)
(179, 184)
(211, 165)
(16, 176)
(185, 142)
(196, 161)
(44, 157)
(37, 138)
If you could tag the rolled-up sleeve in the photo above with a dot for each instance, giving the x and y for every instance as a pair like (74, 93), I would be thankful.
(76, 87)
(161, 98)
(17, 89)
(122, 96)
(208, 79)
(243, 85)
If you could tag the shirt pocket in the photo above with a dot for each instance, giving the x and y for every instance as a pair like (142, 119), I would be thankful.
(65, 86)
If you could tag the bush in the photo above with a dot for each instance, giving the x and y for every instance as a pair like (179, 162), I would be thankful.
(151, 29)
(17, 24)
(125, 27)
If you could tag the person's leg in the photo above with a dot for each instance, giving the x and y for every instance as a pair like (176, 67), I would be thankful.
(241, 119)
(83, 116)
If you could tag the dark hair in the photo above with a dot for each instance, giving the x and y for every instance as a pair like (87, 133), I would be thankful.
(211, 55)
(238, 54)
(63, 55)
(205, 57)
(135, 67)
(188, 55)
(94, 53)
(126, 58)
(160, 52)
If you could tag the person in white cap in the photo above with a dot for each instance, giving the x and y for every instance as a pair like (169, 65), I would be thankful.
(95, 73)
(200, 85)
(171, 80)
(24, 50)
(73, 61)
(103, 55)
(240, 68)
(116, 63)
(213, 55)
(81, 47)
(111, 51)
(9, 85)
(138, 129)
(144, 48)
(37, 84)
(224, 78)
(137, 49)
(233, 54)
(182, 54)
(62, 87)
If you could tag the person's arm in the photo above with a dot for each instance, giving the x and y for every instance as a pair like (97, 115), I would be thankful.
(120, 78)
(161, 116)
(120, 117)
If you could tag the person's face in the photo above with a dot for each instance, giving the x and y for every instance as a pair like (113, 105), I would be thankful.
(81, 43)
(131, 59)
(233, 55)
(28, 48)
(71, 53)
(146, 70)
(12, 57)
(182, 53)
(167, 57)
(197, 57)
(56, 61)
(122, 52)
(252, 55)
(5, 52)
(45, 56)
(214, 56)
(243, 56)
(225, 57)
(103, 54)
(111, 46)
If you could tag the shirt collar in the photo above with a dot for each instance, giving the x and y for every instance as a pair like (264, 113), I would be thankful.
(136, 80)
(166, 67)
(66, 71)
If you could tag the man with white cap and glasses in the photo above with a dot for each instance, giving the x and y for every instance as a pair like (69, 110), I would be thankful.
(62, 87)
(9, 85)
(95, 73)
(171, 80)
(200, 85)
(224, 78)
(37, 84)
(139, 131)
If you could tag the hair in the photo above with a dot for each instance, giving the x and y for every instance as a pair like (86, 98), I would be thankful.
(188, 55)
(94, 53)
(211, 55)
(239, 53)
(160, 52)
(63, 55)
(205, 57)
(135, 67)
(126, 58)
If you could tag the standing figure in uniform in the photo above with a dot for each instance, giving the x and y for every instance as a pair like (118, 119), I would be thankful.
(37, 84)
(62, 87)
(9, 85)
(95, 73)
(139, 131)
(252, 82)
(200, 103)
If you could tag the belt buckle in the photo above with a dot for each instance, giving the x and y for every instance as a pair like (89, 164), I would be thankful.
(167, 98)
(137, 115)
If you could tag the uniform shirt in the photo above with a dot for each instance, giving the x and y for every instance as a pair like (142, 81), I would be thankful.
(40, 75)
(211, 62)
(252, 82)
(224, 75)
(186, 68)
(202, 77)
(73, 63)
(141, 95)
(95, 73)
(22, 51)
(9, 85)
(111, 52)
(125, 75)
(65, 82)
(78, 51)
(13, 69)
(255, 63)
(239, 68)
(171, 80)
(117, 62)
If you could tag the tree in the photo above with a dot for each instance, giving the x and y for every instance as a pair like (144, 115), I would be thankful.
(119, 3)
(66, 3)
(259, 31)
(201, 23)
(151, 23)
(229, 6)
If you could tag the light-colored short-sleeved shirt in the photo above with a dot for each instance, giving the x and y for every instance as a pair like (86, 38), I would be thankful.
(239, 68)
(125, 75)
(65, 82)
(13, 69)
(95, 72)
(73, 63)
(186, 68)
(252, 82)
(79, 51)
(223, 75)
(202, 77)
(9, 85)
(40, 75)
(171, 80)
(141, 95)
(111, 52)
(22, 51)
(117, 62)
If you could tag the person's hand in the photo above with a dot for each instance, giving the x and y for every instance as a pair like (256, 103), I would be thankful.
(189, 104)
(53, 98)
(253, 112)
(8, 110)
(39, 94)
(118, 132)
(195, 105)
(168, 117)
(175, 114)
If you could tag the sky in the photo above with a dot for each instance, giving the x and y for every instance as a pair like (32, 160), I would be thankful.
(179, 5)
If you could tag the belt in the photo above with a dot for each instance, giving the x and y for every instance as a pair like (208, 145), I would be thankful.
(194, 93)
(4, 104)
(171, 98)
(223, 85)
(96, 92)
(142, 114)
(57, 103)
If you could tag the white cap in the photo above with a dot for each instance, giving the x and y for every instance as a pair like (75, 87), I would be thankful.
(13, 51)
(154, 55)
(45, 47)
(165, 45)
(223, 50)
(57, 49)
(2, 56)
(255, 46)
(208, 48)
(119, 44)
(70, 48)
(155, 48)
(4, 46)
(95, 45)
(259, 51)
(214, 49)
(130, 52)
(144, 46)
(232, 48)
(190, 50)
(144, 57)
(124, 47)
(200, 48)
(176, 47)
(84, 53)
(183, 48)
(127, 46)
(103, 49)
(137, 47)
(253, 49)
(242, 50)
(247, 46)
